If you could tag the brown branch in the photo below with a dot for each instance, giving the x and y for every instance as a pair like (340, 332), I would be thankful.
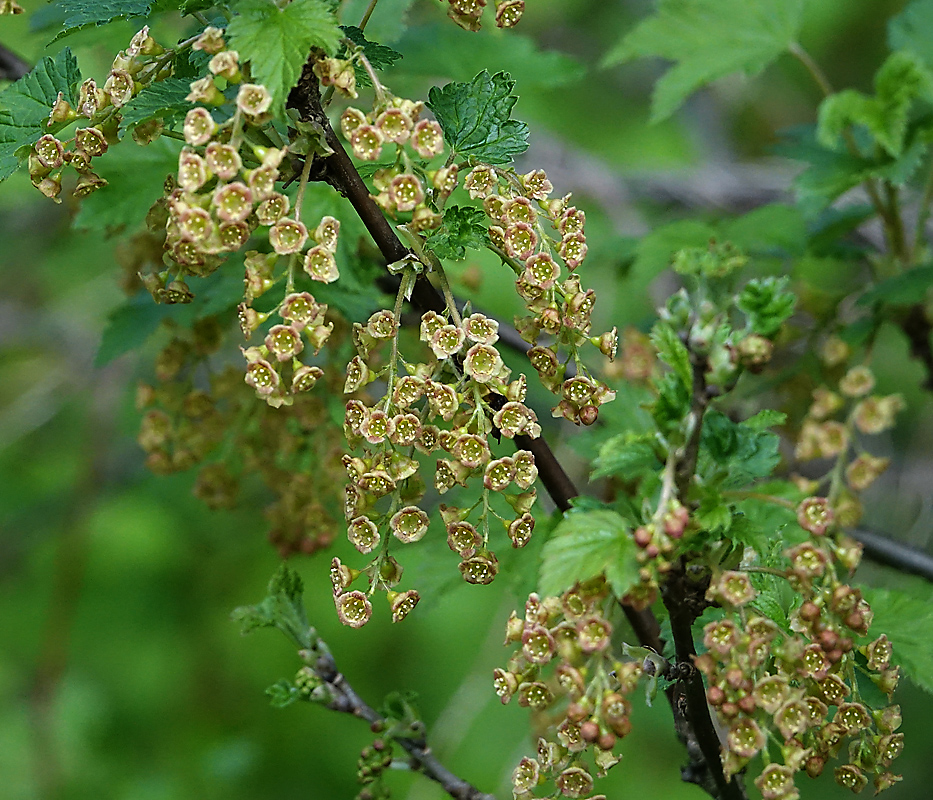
(12, 67)
(917, 328)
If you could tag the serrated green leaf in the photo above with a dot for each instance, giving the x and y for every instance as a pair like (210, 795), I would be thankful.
(766, 418)
(475, 118)
(743, 453)
(625, 456)
(282, 608)
(906, 619)
(900, 290)
(708, 39)
(672, 402)
(379, 56)
(80, 14)
(767, 304)
(900, 80)
(25, 105)
(277, 41)
(772, 227)
(714, 513)
(282, 693)
(164, 100)
(463, 228)
(128, 326)
(585, 544)
(910, 30)
(673, 352)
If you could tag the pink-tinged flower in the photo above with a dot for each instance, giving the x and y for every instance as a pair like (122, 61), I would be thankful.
(350, 120)
(284, 341)
(261, 182)
(402, 604)
(745, 738)
(443, 399)
(575, 782)
(482, 363)
(481, 182)
(262, 376)
(520, 241)
(50, 151)
(327, 233)
(272, 209)
(520, 530)
(427, 139)
(481, 329)
(357, 375)
(472, 451)
(253, 99)
(382, 325)
(363, 534)
(536, 184)
(815, 515)
(301, 308)
(498, 474)
(573, 250)
(512, 419)
(776, 782)
(353, 609)
(480, 569)
(463, 538)
(366, 142)
(288, 236)
(192, 170)
(406, 430)
(509, 12)
(91, 142)
(306, 378)
(119, 87)
(409, 524)
(233, 201)
(223, 160)
(526, 473)
(376, 427)
(199, 127)
(211, 40)
(321, 265)
(394, 125)
(526, 775)
(541, 271)
(405, 192)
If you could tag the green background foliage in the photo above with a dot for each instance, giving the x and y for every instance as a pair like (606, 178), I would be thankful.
(121, 675)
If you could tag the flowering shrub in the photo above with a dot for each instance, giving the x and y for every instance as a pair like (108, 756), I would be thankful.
(361, 389)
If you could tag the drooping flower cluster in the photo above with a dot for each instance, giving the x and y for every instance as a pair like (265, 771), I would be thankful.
(191, 422)
(798, 686)
(449, 405)
(566, 656)
(523, 222)
(137, 66)
(830, 430)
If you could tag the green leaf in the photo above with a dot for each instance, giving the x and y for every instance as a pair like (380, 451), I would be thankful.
(475, 118)
(708, 39)
(772, 227)
(277, 41)
(900, 80)
(655, 251)
(282, 608)
(379, 56)
(25, 105)
(282, 693)
(746, 452)
(767, 304)
(463, 228)
(388, 21)
(905, 289)
(714, 513)
(766, 418)
(164, 99)
(673, 352)
(906, 619)
(626, 456)
(80, 14)
(585, 544)
(910, 30)
(128, 326)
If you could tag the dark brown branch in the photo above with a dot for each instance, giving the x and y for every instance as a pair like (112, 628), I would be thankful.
(898, 555)
(12, 67)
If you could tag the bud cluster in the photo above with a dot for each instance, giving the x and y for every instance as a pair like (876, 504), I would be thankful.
(569, 638)
(137, 66)
(797, 686)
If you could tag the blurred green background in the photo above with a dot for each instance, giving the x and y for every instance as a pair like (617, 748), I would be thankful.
(121, 675)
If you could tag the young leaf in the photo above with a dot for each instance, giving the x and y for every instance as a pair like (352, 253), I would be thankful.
(900, 290)
(708, 39)
(475, 118)
(745, 451)
(907, 621)
(25, 105)
(900, 80)
(463, 228)
(163, 99)
(282, 608)
(767, 304)
(378, 55)
(626, 456)
(282, 693)
(584, 544)
(910, 30)
(673, 352)
(79, 14)
(276, 41)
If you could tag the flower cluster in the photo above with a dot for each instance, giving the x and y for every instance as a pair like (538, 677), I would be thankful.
(137, 66)
(798, 686)
(571, 633)
(188, 423)
(829, 431)
(535, 234)
(468, 13)
(449, 405)
(405, 187)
